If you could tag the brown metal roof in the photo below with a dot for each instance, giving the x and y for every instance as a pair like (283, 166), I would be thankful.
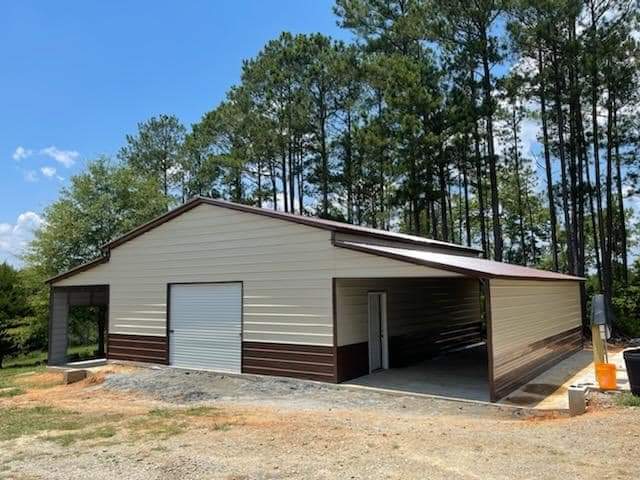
(289, 217)
(471, 266)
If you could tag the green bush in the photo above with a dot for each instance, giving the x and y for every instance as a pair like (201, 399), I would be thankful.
(627, 399)
(626, 306)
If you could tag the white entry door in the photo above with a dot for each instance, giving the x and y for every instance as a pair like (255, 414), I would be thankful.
(378, 342)
(205, 326)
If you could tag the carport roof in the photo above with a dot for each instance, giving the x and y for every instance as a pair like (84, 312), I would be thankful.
(472, 266)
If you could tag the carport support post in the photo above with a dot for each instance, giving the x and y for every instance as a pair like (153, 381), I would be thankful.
(486, 292)
(101, 313)
(58, 319)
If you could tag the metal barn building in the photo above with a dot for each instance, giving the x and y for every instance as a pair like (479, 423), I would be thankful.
(226, 287)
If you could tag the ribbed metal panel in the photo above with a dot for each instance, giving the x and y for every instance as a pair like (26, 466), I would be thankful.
(534, 325)
(205, 326)
(58, 327)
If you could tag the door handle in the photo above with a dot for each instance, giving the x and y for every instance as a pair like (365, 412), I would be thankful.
(171, 331)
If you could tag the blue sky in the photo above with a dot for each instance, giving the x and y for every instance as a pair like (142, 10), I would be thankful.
(77, 76)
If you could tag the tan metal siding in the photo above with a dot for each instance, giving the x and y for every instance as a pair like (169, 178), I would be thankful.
(533, 325)
(287, 270)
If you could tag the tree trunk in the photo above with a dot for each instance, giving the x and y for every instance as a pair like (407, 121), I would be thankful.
(621, 213)
(609, 185)
(563, 163)
(274, 185)
(292, 173)
(325, 165)
(467, 218)
(300, 178)
(413, 192)
(283, 167)
(479, 168)
(348, 169)
(493, 174)
(516, 157)
(259, 193)
(606, 270)
(443, 200)
(547, 163)
(480, 193)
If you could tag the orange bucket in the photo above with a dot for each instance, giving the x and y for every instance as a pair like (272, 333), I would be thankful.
(606, 376)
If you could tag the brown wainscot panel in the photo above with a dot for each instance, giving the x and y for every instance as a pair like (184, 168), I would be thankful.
(310, 362)
(352, 361)
(137, 348)
(514, 369)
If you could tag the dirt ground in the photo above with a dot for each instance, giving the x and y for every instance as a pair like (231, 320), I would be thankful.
(131, 423)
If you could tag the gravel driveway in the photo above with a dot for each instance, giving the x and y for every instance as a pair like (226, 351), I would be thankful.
(268, 428)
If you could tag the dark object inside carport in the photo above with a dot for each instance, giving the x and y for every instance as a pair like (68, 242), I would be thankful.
(632, 360)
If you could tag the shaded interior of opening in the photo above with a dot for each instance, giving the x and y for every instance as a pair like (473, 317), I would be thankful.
(86, 334)
(436, 336)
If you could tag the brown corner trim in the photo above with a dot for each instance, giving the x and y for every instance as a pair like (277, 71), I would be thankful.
(486, 289)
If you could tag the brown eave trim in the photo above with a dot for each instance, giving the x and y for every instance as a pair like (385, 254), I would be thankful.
(451, 268)
(78, 269)
(299, 219)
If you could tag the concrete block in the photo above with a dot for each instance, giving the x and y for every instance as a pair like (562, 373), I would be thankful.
(73, 376)
(577, 400)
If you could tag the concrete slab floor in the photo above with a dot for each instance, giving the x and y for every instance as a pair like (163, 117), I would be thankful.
(460, 375)
(549, 390)
(82, 364)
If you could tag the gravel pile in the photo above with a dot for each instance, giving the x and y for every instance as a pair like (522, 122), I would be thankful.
(188, 387)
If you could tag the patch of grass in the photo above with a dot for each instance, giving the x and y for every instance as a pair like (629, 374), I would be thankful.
(628, 399)
(38, 383)
(156, 426)
(11, 392)
(31, 359)
(17, 422)
(66, 439)
(163, 412)
(82, 352)
(191, 412)
(8, 375)
(221, 427)
(39, 357)
(165, 422)
(201, 411)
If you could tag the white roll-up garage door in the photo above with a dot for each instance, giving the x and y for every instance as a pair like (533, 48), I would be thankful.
(205, 326)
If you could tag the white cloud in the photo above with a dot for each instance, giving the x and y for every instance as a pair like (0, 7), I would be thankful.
(15, 237)
(65, 157)
(30, 176)
(529, 130)
(21, 153)
(48, 171)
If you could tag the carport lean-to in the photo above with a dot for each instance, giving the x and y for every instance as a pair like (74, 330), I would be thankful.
(221, 286)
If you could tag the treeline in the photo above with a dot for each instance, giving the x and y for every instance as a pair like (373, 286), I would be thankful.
(508, 125)
(418, 125)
